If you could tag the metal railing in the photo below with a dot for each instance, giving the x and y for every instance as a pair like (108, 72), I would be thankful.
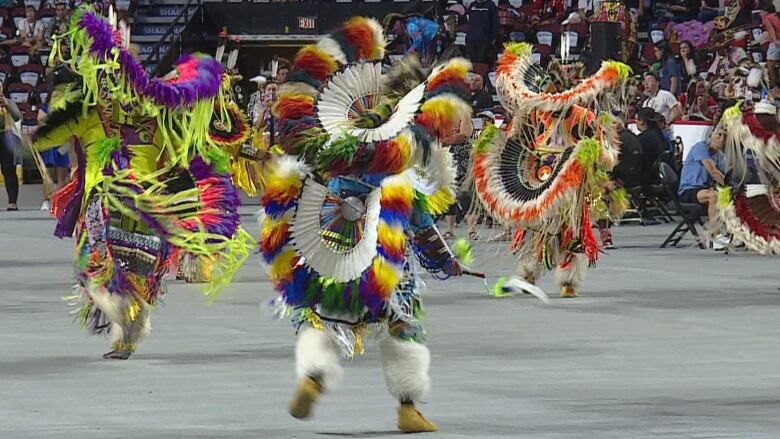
(171, 37)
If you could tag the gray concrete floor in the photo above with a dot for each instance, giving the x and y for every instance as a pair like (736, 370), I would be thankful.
(673, 343)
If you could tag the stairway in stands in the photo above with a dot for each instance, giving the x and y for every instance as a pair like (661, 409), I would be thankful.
(151, 21)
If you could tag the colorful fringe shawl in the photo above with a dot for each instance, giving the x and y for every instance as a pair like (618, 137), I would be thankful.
(181, 103)
(163, 173)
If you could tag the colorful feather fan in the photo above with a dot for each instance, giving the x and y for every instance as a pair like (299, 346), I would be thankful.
(336, 218)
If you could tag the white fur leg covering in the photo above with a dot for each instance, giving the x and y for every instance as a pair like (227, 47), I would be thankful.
(529, 268)
(141, 327)
(117, 333)
(317, 356)
(113, 306)
(405, 365)
(574, 274)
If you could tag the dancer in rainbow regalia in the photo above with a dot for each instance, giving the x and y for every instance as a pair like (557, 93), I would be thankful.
(342, 200)
(547, 175)
(151, 192)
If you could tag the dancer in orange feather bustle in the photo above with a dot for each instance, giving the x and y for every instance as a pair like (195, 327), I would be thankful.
(340, 205)
(549, 173)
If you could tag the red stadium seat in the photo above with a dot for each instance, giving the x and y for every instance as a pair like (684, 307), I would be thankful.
(5, 72)
(5, 17)
(31, 73)
(42, 93)
(20, 56)
(20, 92)
(23, 106)
(18, 16)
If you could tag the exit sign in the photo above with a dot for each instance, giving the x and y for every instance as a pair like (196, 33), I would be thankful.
(307, 23)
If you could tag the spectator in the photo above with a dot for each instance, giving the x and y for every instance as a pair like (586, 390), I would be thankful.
(671, 73)
(697, 104)
(56, 162)
(31, 29)
(480, 98)
(652, 141)
(254, 108)
(709, 9)
(60, 24)
(628, 171)
(548, 11)
(636, 8)
(282, 70)
(8, 146)
(681, 10)
(460, 147)
(688, 65)
(663, 102)
(698, 174)
(483, 30)
(771, 23)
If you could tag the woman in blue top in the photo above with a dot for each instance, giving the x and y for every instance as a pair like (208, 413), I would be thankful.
(671, 72)
(57, 164)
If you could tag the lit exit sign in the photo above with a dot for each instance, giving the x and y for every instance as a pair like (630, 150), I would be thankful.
(307, 23)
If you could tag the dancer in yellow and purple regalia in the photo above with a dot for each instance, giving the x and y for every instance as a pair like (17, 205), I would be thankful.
(151, 191)
(340, 204)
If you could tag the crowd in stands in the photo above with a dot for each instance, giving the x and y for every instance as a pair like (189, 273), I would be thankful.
(692, 60)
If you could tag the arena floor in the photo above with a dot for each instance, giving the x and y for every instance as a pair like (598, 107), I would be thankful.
(662, 343)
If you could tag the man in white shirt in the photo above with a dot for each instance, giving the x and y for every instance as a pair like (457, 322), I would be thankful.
(659, 100)
(31, 29)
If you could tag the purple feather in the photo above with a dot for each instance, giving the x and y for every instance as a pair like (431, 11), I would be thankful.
(203, 82)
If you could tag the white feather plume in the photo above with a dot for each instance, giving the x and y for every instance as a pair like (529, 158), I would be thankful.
(517, 285)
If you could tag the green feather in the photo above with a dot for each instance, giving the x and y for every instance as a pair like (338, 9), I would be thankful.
(219, 160)
(486, 139)
(341, 150)
(499, 289)
(463, 251)
(103, 148)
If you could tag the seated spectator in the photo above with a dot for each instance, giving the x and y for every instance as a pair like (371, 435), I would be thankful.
(480, 98)
(628, 171)
(708, 10)
(671, 72)
(31, 30)
(546, 11)
(483, 30)
(663, 102)
(681, 10)
(652, 141)
(688, 63)
(698, 174)
(60, 24)
(697, 103)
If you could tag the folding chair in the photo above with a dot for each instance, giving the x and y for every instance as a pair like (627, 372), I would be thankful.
(690, 213)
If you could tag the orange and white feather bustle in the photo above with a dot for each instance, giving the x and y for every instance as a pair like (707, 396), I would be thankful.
(516, 65)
